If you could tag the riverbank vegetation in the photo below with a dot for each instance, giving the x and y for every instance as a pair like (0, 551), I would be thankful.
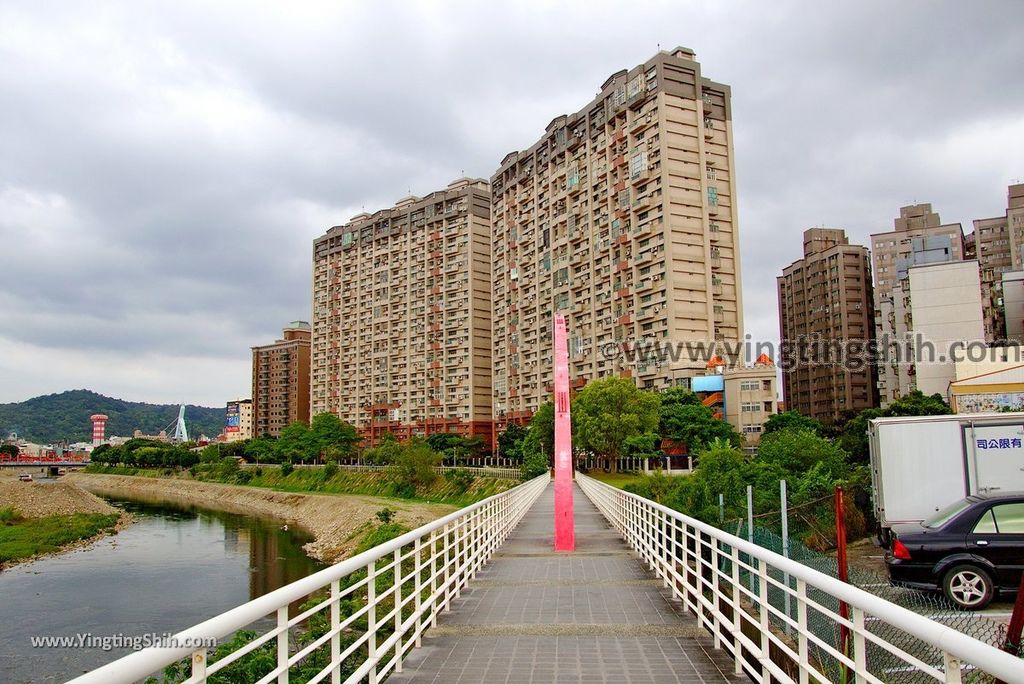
(457, 487)
(22, 537)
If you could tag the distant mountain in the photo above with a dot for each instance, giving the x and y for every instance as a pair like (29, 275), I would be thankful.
(63, 416)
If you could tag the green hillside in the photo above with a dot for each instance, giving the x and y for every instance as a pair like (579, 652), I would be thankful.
(65, 416)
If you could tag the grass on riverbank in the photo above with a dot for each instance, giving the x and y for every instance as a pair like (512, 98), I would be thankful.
(443, 490)
(617, 480)
(22, 538)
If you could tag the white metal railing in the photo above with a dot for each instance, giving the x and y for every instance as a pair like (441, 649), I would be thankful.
(394, 592)
(738, 591)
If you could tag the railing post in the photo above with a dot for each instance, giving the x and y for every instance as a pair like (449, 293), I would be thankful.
(371, 620)
(335, 632)
(860, 652)
(737, 608)
(282, 644)
(199, 666)
(418, 588)
(434, 599)
(716, 592)
(447, 567)
(663, 552)
(952, 668)
(397, 574)
(762, 591)
(802, 642)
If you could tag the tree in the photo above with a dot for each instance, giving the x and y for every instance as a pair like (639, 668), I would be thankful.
(260, 449)
(918, 404)
(386, 452)
(12, 450)
(541, 432)
(415, 466)
(332, 437)
(644, 446)
(854, 435)
(798, 451)
(678, 395)
(510, 442)
(295, 443)
(695, 426)
(608, 412)
(792, 420)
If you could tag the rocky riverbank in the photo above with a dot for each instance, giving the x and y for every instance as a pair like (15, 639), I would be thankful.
(42, 499)
(335, 521)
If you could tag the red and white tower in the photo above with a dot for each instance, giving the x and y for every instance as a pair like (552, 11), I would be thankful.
(99, 428)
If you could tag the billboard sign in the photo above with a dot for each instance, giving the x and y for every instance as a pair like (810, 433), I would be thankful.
(231, 417)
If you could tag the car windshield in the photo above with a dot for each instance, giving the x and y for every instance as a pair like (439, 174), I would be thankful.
(946, 514)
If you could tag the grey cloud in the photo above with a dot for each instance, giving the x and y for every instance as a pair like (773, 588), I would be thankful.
(172, 164)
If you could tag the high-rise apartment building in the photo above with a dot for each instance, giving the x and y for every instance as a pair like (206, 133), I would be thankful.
(1015, 223)
(402, 316)
(918, 237)
(280, 381)
(999, 245)
(622, 216)
(825, 303)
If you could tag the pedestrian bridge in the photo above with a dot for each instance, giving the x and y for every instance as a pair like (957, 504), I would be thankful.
(649, 595)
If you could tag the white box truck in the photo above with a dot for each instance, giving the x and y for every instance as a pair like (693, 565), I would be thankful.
(921, 464)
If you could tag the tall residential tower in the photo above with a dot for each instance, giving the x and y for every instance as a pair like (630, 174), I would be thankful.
(280, 381)
(402, 316)
(825, 301)
(623, 217)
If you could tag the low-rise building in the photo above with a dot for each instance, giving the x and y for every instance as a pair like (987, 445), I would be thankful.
(238, 420)
(751, 398)
(999, 387)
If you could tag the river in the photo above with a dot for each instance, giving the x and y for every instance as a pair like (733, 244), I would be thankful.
(174, 567)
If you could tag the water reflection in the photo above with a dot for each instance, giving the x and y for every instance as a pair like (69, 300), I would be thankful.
(176, 566)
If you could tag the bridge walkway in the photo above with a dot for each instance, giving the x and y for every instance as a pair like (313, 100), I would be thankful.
(596, 615)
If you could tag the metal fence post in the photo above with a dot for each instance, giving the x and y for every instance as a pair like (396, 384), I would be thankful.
(397, 575)
(335, 632)
(371, 620)
(785, 548)
(750, 526)
(282, 644)
(418, 588)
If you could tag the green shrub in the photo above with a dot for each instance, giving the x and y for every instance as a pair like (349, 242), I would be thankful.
(330, 470)
(385, 515)
(243, 477)
(534, 463)
(403, 490)
(287, 469)
(9, 515)
(415, 465)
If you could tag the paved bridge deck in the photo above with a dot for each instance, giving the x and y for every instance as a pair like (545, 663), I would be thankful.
(596, 615)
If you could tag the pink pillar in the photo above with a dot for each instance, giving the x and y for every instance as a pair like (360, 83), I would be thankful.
(565, 531)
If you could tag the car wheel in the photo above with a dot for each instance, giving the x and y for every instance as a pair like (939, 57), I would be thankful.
(968, 586)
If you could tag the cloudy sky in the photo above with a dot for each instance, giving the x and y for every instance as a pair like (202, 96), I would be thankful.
(164, 167)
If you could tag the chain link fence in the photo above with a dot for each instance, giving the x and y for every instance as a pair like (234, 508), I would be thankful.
(880, 661)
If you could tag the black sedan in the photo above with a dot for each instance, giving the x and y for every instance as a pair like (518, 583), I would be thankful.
(970, 550)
